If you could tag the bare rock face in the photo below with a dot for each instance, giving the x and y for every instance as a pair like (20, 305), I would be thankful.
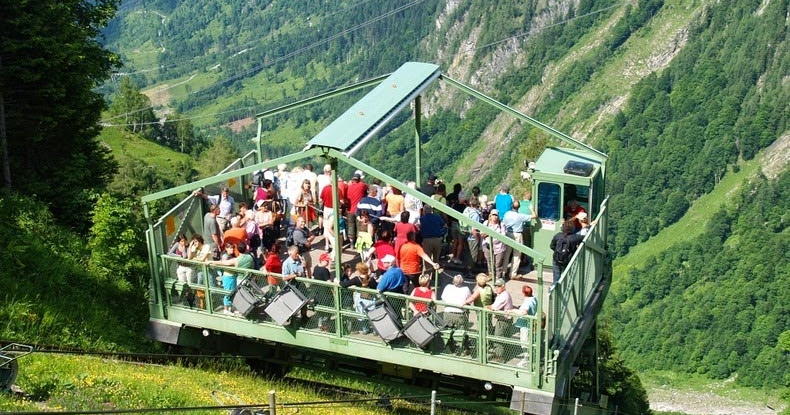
(776, 157)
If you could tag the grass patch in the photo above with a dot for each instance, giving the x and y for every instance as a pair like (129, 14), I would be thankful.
(692, 224)
(125, 145)
(50, 292)
(84, 383)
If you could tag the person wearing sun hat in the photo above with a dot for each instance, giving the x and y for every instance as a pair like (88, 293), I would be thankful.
(502, 302)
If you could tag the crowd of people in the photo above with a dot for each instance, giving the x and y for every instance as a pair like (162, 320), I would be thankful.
(400, 240)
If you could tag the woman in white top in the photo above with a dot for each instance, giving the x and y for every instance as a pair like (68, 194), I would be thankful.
(456, 293)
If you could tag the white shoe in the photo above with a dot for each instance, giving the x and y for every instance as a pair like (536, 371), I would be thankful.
(522, 364)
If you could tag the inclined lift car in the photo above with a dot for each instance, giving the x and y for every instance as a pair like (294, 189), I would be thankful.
(534, 375)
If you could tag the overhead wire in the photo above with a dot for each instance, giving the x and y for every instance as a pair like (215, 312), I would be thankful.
(283, 57)
(287, 405)
(233, 48)
(104, 122)
(50, 349)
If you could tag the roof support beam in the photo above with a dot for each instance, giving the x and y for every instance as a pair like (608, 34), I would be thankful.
(392, 113)
(189, 187)
(418, 137)
(537, 256)
(523, 117)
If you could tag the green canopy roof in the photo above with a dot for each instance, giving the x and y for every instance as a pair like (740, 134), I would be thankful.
(360, 122)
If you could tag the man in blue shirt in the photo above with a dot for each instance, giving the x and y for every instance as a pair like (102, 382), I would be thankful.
(292, 266)
(371, 204)
(433, 230)
(514, 228)
(393, 278)
(503, 199)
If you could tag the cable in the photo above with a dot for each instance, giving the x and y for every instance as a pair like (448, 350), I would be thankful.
(281, 58)
(235, 47)
(105, 124)
(328, 404)
(278, 104)
(49, 349)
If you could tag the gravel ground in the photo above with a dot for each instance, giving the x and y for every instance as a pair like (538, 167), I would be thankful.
(669, 399)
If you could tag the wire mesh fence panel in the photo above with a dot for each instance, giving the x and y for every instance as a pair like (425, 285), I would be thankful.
(506, 343)
(348, 301)
(400, 306)
(459, 343)
(218, 300)
(322, 321)
(358, 327)
(322, 295)
(170, 270)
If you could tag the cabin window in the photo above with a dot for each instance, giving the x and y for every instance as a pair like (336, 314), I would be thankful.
(549, 200)
(581, 194)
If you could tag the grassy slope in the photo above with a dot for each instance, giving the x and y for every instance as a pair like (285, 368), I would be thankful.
(82, 383)
(666, 387)
(691, 224)
(636, 58)
(125, 145)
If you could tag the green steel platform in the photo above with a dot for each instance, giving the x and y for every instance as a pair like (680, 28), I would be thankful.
(537, 365)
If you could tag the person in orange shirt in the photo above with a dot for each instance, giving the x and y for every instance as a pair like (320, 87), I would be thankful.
(235, 234)
(409, 259)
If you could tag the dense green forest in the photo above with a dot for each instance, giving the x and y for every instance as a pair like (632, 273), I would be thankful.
(720, 100)
(716, 306)
(719, 304)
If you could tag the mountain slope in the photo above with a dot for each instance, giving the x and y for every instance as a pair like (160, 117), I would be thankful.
(678, 92)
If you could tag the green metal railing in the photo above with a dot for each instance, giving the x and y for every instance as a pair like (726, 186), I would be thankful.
(479, 335)
(569, 296)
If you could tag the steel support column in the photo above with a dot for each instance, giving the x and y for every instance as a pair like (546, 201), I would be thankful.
(418, 138)
(259, 155)
(338, 248)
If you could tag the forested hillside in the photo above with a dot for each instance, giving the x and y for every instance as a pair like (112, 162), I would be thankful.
(717, 305)
(677, 92)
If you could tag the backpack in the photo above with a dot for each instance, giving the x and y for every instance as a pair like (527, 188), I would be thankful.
(464, 228)
(258, 178)
(289, 236)
(564, 251)
(289, 239)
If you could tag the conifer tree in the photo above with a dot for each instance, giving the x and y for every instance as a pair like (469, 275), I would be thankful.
(51, 61)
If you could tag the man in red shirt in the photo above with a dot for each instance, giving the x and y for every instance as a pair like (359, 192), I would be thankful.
(326, 199)
(356, 191)
(572, 209)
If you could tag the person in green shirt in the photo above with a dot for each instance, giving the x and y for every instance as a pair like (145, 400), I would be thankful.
(526, 207)
(483, 295)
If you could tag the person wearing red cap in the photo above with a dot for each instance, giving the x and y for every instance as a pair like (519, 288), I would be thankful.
(321, 271)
